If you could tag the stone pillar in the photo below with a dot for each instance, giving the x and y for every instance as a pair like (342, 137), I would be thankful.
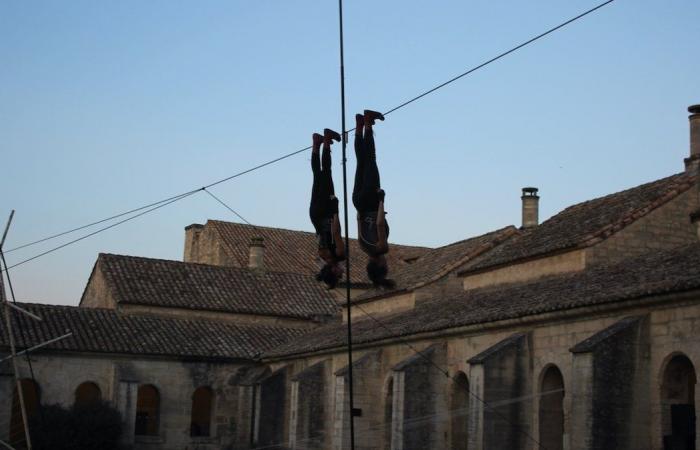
(398, 411)
(615, 364)
(341, 419)
(294, 415)
(192, 234)
(127, 392)
(507, 375)
(581, 422)
(476, 408)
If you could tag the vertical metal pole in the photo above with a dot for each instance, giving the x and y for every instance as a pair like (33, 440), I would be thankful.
(347, 238)
(13, 351)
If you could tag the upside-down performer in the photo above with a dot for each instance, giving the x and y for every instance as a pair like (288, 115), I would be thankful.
(368, 198)
(324, 210)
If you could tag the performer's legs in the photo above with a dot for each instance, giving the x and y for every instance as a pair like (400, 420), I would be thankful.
(360, 158)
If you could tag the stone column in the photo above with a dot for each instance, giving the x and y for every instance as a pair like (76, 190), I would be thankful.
(581, 432)
(476, 408)
(127, 392)
(341, 419)
(397, 417)
(294, 414)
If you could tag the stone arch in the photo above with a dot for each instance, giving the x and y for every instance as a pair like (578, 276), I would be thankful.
(87, 393)
(147, 411)
(459, 411)
(202, 408)
(388, 412)
(551, 408)
(31, 392)
(678, 381)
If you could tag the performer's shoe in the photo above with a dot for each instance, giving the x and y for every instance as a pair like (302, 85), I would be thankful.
(330, 134)
(317, 139)
(371, 116)
(359, 120)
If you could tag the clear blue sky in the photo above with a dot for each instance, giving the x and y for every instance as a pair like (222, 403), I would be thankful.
(105, 106)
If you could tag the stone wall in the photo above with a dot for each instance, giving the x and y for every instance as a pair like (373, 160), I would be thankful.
(119, 378)
(666, 227)
(572, 261)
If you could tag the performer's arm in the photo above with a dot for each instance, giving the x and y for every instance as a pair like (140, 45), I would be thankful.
(338, 238)
(382, 243)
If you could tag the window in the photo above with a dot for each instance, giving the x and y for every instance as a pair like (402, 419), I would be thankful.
(552, 409)
(388, 413)
(87, 394)
(678, 403)
(459, 411)
(202, 403)
(147, 411)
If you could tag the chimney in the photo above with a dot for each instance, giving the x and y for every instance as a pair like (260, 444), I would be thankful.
(257, 254)
(693, 162)
(192, 234)
(531, 207)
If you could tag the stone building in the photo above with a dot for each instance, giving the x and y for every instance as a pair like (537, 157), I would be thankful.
(580, 332)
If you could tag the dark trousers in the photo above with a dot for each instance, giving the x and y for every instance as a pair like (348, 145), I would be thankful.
(364, 194)
(322, 206)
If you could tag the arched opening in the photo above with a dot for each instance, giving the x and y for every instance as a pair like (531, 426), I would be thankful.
(87, 394)
(678, 404)
(147, 411)
(552, 409)
(459, 412)
(202, 404)
(388, 413)
(32, 400)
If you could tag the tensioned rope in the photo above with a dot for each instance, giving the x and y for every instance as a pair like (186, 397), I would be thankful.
(158, 204)
(405, 342)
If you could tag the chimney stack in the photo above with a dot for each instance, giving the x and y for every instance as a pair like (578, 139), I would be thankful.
(257, 254)
(531, 207)
(693, 162)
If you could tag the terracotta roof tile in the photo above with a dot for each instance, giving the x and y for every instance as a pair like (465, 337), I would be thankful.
(108, 331)
(296, 251)
(438, 262)
(157, 282)
(587, 223)
(657, 273)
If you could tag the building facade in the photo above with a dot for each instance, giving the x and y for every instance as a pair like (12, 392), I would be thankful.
(580, 332)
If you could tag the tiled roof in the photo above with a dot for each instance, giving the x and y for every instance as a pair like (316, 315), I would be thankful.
(652, 274)
(108, 331)
(586, 223)
(157, 282)
(438, 262)
(297, 251)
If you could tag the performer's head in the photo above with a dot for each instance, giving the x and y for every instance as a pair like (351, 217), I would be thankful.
(330, 274)
(377, 270)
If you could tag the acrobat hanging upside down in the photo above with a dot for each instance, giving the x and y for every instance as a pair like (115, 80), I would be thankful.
(324, 210)
(368, 198)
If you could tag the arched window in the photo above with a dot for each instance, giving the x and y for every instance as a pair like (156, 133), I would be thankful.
(459, 412)
(552, 409)
(32, 400)
(147, 411)
(87, 394)
(202, 404)
(678, 403)
(388, 413)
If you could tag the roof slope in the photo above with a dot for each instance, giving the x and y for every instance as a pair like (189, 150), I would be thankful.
(438, 262)
(587, 223)
(107, 331)
(675, 270)
(158, 282)
(297, 251)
